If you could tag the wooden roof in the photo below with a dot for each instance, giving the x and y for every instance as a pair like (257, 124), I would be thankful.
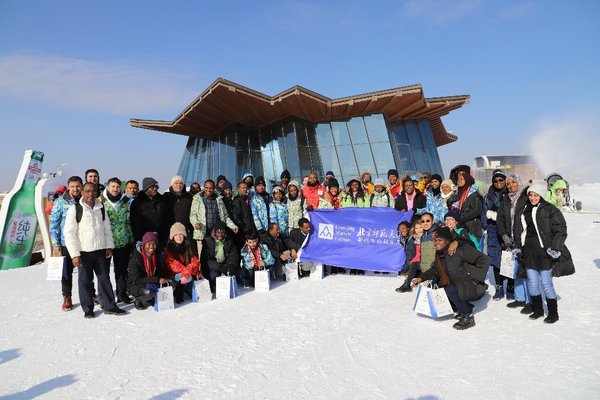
(226, 102)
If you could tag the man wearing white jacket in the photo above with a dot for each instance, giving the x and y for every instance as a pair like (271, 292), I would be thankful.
(89, 240)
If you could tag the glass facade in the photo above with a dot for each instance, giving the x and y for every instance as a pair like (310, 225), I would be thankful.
(348, 148)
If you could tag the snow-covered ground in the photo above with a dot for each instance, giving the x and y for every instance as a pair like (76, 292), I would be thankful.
(345, 337)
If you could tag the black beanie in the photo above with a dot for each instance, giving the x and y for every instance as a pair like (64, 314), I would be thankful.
(437, 177)
(444, 233)
(498, 173)
(393, 172)
(285, 174)
(333, 183)
(260, 180)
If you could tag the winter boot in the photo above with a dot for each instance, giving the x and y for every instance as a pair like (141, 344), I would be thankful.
(552, 311)
(67, 303)
(466, 321)
(538, 308)
(405, 288)
(499, 295)
(516, 304)
(528, 309)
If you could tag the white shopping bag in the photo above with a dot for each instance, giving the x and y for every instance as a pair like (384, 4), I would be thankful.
(291, 272)
(507, 264)
(163, 300)
(262, 280)
(55, 267)
(226, 287)
(317, 271)
(201, 291)
(432, 301)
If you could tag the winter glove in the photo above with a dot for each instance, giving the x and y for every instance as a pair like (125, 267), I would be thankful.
(516, 253)
(491, 215)
(507, 241)
(555, 254)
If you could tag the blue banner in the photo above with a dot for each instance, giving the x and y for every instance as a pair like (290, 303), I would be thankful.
(361, 238)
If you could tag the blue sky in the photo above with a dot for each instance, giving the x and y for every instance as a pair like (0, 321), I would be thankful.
(72, 73)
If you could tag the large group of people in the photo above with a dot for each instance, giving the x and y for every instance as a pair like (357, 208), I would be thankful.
(180, 236)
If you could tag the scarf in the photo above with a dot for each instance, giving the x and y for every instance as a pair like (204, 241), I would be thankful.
(220, 251)
(514, 197)
(256, 255)
(441, 270)
(114, 199)
(464, 193)
(149, 263)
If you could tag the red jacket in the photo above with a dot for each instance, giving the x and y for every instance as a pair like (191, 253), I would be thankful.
(175, 265)
(312, 194)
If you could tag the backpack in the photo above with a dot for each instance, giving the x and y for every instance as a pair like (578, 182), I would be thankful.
(79, 212)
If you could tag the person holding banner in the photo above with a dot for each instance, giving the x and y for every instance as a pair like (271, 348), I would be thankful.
(331, 198)
(461, 275)
(255, 256)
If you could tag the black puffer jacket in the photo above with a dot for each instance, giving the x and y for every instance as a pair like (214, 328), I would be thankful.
(179, 206)
(470, 212)
(503, 219)
(149, 215)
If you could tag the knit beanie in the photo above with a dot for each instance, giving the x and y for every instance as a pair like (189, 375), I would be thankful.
(454, 213)
(538, 187)
(149, 237)
(392, 172)
(285, 174)
(177, 229)
(148, 182)
(260, 181)
(294, 183)
(498, 173)
(437, 177)
(177, 178)
(447, 182)
(333, 183)
(221, 178)
(227, 185)
(444, 233)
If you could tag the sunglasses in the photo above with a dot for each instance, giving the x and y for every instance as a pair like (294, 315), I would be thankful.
(425, 221)
(498, 180)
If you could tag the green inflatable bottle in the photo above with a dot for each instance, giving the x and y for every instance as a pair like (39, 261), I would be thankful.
(21, 224)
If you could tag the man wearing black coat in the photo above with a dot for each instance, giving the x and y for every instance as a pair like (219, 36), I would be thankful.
(294, 242)
(179, 202)
(419, 201)
(278, 249)
(220, 254)
(242, 215)
(149, 213)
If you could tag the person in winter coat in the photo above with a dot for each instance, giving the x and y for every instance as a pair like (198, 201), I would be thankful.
(220, 255)
(555, 195)
(540, 236)
(295, 241)
(355, 197)
(462, 276)
(410, 198)
(380, 197)
(367, 183)
(285, 180)
(279, 250)
(435, 203)
(452, 221)
(145, 271)
(412, 251)
(58, 217)
(117, 211)
(255, 256)
(181, 261)
(58, 192)
(278, 212)
(491, 204)
(296, 205)
(394, 186)
(313, 191)
(468, 201)
(179, 202)
(331, 198)
(511, 208)
(242, 215)
(259, 204)
(149, 213)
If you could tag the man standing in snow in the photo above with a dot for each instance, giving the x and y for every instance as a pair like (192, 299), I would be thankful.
(89, 240)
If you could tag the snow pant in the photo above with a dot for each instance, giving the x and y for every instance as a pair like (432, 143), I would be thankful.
(521, 292)
(95, 262)
(462, 306)
(543, 279)
(67, 275)
(120, 261)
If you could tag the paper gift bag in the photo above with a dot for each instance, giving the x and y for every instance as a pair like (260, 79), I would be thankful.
(432, 301)
(422, 302)
(262, 280)
(291, 272)
(317, 271)
(163, 299)
(507, 264)
(55, 267)
(201, 291)
(226, 287)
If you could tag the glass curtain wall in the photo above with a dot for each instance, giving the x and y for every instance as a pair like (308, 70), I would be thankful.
(414, 147)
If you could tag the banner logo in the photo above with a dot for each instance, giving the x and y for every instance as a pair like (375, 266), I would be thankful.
(326, 231)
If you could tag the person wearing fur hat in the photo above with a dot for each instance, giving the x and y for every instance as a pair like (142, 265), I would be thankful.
(331, 198)
(296, 205)
(278, 212)
(462, 276)
(179, 202)
(394, 186)
(510, 210)
(540, 236)
(468, 201)
(149, 213)
(380, 197)
(435, 203)
(410, 198)
(145, 271)
(491, 204)
(181, 261)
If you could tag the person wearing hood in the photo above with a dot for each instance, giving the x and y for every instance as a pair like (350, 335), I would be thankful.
(179, 202)
(194, 188)
(555, 195)
(181, 261)
(278, 212)
(58, 217)
(435, 203)
(540, 236)
(220, 255)
(149, 213)
(491, 204)
(467, 200)
(285, 178)
(410, 198)
(259, 204)
(117, 211)
(331, 198)
(221, 179)
(313, 191)
(511, 207)
(380, 197)
(355, 197)
(248, 178)
(296, 205)
(145, 272)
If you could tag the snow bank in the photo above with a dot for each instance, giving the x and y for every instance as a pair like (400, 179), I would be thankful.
(345, 337)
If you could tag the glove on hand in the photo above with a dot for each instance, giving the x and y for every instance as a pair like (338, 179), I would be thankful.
(508, 242)
(555, 254)
(491, 215)
(516, 253)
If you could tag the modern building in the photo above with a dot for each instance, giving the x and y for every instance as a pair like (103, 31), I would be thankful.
(234, 130)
